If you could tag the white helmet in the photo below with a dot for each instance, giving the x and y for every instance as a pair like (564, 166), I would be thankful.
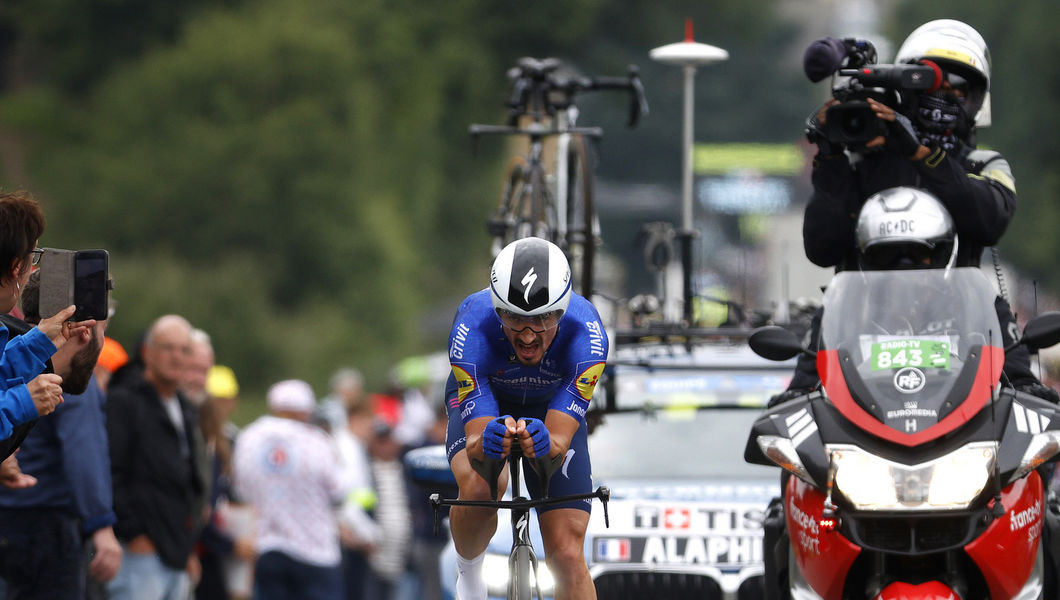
(958, 48)
(905, 227)
(530, 278)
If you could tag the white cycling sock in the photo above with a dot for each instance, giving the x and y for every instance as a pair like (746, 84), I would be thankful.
(469, 582)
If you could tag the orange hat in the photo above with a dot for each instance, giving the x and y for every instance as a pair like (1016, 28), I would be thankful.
(113, 356)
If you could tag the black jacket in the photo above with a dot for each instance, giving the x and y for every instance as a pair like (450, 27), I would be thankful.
(156, 481)
(976, 187)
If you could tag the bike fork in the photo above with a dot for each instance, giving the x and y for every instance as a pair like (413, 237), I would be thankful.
(523, 563)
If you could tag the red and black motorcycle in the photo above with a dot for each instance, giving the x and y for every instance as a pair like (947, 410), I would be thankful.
(914, 469)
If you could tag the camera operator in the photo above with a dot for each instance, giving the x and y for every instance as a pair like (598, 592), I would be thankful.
(927, 141)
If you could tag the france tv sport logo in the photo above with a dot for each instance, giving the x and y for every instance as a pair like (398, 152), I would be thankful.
(612, 549)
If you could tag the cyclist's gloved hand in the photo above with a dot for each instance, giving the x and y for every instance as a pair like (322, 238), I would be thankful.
(493, 437)
(535, 429)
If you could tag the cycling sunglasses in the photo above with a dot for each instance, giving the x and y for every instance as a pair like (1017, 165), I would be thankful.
(536, 323)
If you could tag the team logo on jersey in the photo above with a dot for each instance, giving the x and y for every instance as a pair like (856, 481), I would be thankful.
(586, 381)
(465, 383)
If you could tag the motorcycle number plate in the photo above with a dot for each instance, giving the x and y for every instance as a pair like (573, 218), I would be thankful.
(910, 352)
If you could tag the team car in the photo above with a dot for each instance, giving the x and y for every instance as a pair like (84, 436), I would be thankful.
(667, 431)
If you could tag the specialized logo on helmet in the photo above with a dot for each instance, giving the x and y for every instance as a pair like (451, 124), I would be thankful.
(909, 380)
(531, 291)
(586, 382)
(528, 281)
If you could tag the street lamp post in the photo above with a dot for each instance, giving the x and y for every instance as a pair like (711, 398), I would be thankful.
(689, 55)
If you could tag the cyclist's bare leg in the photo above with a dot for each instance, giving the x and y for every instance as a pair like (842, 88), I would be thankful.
(473, 527)
(563, 532)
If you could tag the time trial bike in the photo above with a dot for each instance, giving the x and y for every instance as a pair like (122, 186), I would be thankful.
(523, 581)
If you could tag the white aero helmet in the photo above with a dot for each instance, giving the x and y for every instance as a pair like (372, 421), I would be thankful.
(905, 227)
(956, 48)
(530, 284)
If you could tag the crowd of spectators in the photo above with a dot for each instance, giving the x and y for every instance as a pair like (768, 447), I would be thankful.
(123, 475)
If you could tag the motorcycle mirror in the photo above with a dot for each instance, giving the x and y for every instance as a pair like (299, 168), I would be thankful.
(776, 343)
(1042, 331)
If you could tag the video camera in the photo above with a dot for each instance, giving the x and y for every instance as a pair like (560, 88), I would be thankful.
(852, 121)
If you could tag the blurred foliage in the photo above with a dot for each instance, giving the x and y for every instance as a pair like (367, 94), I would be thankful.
(1024, 86)
(295, 177)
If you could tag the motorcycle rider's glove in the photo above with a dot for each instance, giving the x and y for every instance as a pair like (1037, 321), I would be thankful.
(815, 135)
(1040, 390)
(539, 434)
(493, 437)
(901, 136)
(786, 395)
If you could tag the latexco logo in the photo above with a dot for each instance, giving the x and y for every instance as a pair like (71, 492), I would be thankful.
(909, 380)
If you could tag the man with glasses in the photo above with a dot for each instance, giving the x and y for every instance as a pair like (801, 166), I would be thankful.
(530, 349)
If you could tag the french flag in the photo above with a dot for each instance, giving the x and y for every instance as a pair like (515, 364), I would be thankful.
(612, 550)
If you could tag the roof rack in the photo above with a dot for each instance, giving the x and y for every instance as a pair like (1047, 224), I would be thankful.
(678, 333)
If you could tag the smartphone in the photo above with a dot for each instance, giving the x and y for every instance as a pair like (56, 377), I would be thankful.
(80, 278)
(91, 284)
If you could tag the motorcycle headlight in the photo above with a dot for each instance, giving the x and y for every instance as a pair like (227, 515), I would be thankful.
(950, 482)
(495, 571)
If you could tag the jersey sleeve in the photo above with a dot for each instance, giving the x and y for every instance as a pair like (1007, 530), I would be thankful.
(587, 357)
(468, 387)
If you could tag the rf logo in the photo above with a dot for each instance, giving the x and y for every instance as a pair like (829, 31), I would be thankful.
(909, 380)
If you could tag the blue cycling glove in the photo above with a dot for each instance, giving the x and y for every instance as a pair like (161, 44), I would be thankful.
(493, 437)
(538, 433)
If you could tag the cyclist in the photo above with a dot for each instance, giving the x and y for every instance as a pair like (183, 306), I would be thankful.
(526, 346)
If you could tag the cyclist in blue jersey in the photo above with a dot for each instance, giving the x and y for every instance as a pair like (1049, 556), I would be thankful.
(529, 349)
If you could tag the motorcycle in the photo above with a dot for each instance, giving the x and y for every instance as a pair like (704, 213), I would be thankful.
(913, 472)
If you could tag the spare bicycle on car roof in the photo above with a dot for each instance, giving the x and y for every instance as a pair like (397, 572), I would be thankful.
(552, 198)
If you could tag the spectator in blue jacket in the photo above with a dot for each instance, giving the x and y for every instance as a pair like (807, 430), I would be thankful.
(25, 392)
(43, 528)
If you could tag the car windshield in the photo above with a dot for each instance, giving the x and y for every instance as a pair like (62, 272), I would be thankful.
(675, 443)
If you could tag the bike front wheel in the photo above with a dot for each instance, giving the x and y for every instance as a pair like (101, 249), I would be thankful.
(520, 565)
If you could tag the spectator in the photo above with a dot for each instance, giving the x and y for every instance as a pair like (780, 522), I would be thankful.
(358, 531)
(193, 386)
(154, 439)
(42, 529)
(23, 357)
(346, 389)
(412, 377)
(111, 358)
(427, 546)
(288, 470)
(199, 362)
(219, 545)
(390, 559)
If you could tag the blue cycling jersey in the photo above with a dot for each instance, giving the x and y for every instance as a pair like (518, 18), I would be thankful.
(485, 370)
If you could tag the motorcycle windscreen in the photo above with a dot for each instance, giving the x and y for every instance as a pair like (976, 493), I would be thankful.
(910, 347)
